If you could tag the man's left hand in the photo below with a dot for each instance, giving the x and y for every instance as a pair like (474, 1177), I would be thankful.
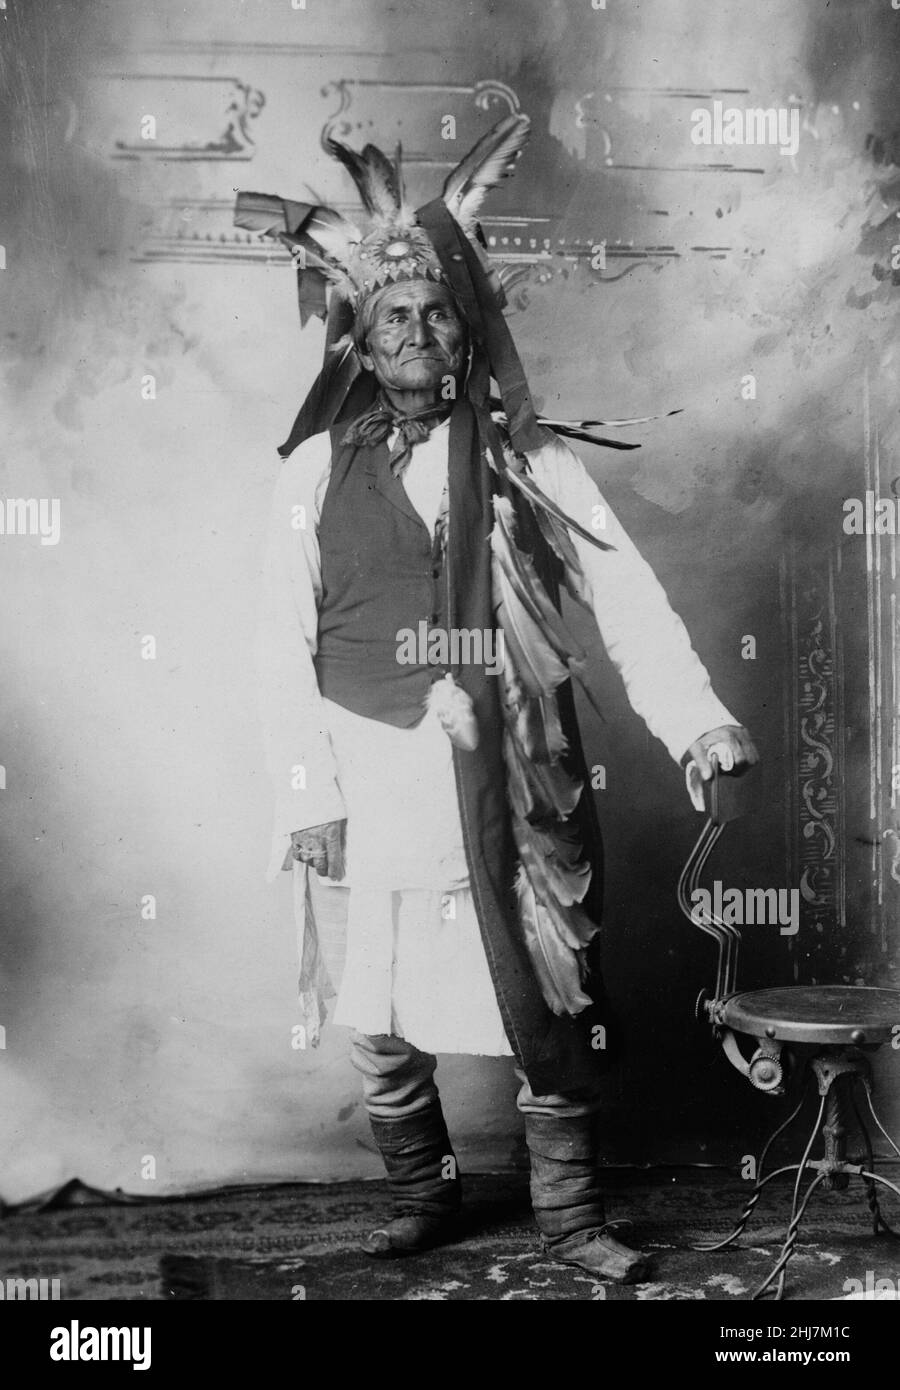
(734, 746)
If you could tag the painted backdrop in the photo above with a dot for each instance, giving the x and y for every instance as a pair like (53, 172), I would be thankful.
(153, 358)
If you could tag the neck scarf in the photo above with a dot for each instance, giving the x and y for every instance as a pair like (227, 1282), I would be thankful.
(375, 426)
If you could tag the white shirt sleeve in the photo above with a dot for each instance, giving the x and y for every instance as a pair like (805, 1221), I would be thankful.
(664, 679)
(298, 747)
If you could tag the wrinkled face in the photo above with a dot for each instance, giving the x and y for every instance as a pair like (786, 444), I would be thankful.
(414, 336)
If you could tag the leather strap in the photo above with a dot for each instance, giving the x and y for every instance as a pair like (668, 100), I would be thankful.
(464, 271)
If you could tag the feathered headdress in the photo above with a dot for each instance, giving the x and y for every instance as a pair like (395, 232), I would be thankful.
(330, 248)
(441, 241)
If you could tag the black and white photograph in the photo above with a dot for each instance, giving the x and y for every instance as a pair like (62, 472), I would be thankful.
(450, 739)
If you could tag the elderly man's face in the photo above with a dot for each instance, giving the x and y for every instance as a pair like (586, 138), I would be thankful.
(415, 337)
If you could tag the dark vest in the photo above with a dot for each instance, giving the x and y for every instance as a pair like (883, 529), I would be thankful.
(381, 575)
(377, 571)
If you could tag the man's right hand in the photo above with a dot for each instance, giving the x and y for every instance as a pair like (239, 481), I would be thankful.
(321, 846)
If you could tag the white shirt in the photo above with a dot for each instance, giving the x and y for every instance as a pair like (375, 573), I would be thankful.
(415, 963)
(664, 679)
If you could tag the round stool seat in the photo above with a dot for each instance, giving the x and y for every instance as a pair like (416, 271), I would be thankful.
(849, 1014)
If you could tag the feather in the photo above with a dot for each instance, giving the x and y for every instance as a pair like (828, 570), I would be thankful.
(384, 188)
(537, 665)
(571, 926)
(304, 228)
(614, 424)
(526, 484)
(543, 650)
(544, 739)
(539, 731)
(557, 537)
(281, 217)
(535, 723)
(554, 876)
(399, 175)
(334, 233)
(539, 792)
(559, 874)
(520, 797)
(570, 430)
(556, 965)
(537, 605)
(356, 167)
(265, 213)
(585, 430)
(486, 164)
(526, 584)
(306, 258)
(375, 178)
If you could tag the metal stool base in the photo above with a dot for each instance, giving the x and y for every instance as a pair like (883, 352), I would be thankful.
(838, 1073)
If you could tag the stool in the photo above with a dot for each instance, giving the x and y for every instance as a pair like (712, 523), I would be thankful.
(828, 1026)
(825, 1030)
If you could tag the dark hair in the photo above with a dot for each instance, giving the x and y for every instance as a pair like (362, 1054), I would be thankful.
(363, 322)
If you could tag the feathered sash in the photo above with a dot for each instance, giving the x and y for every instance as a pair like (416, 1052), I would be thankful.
(541, 653)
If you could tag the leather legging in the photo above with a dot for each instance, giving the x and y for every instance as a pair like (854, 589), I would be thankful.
(398, 1080)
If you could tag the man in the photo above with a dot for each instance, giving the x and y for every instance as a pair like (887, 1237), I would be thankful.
(446, 791)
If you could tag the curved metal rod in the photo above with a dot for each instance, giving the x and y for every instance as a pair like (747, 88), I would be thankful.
(728, 964)
(876, 1177)
(781, 1128)
(790, 1240)
(688, 870)
(779, 1292)
(748, 1210)
(687, 907)
(791, 1237)
(812, 1139)
(686, 885)
(727, 937)
(878, 1221)
(868, 1088)
(760, 1181)
(731, 932)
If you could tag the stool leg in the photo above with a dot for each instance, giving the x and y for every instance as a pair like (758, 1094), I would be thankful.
(876, 1177)
(748, 1210)
(760, 1183)
(797, 1212)
(868, 1085)
(834, 1133)
(790, 1240)
(878, 1221)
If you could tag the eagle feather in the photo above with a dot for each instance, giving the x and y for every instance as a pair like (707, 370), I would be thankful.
(483, 168)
